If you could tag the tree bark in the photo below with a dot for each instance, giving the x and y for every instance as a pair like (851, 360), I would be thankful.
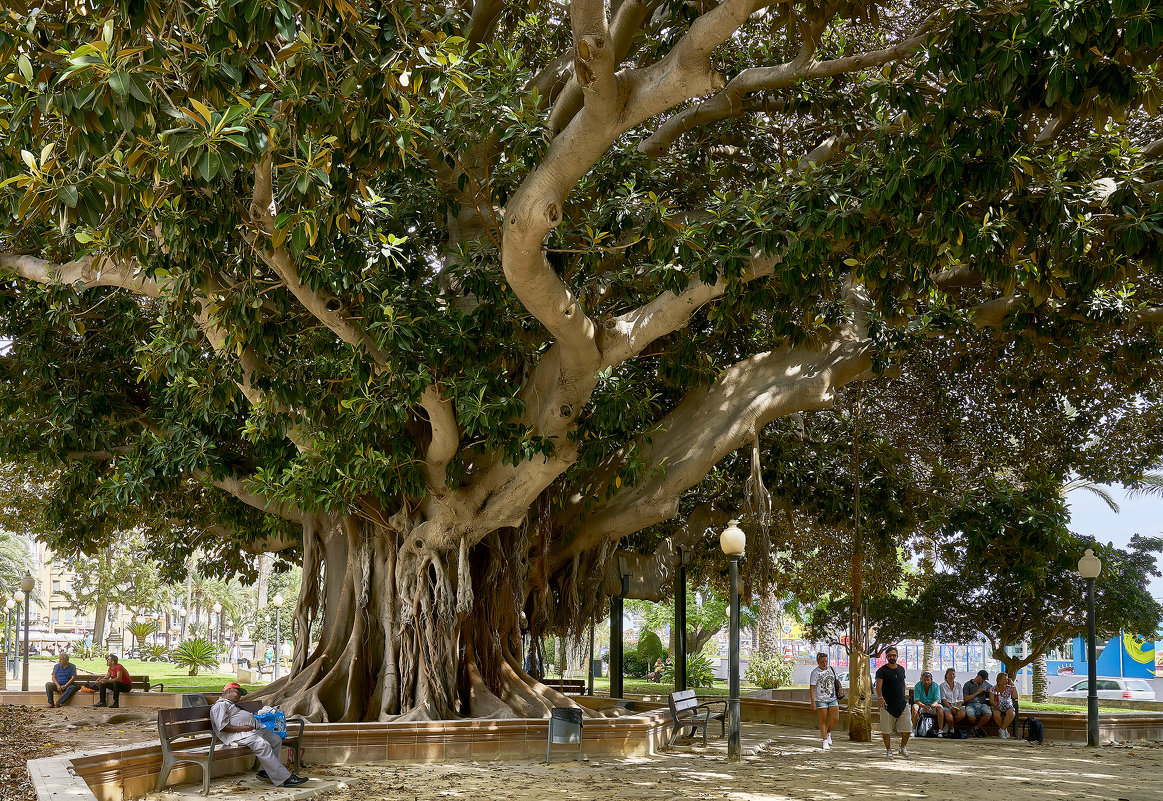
(769, 623)
(1040, 680)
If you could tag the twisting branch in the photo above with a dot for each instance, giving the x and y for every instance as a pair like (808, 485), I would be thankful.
(234, 486)
(445, 438)
(627, 22)
(729, 101)
(89, 272)
(628, 335)
(324, 306)
(594, 58)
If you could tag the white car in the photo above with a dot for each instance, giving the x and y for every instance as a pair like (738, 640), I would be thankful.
(1113, 688)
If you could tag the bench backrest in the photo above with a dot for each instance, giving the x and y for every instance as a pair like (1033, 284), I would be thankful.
(137, 681)
(682, 701)
(173, 723)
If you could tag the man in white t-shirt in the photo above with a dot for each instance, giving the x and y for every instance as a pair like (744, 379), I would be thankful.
(822, 692)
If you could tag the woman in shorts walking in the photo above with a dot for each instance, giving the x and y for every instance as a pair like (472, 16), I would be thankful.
(822, 692)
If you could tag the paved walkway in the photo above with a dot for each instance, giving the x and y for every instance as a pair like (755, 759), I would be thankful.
(780, 764)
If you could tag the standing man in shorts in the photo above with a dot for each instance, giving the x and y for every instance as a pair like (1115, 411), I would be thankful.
(894, 703)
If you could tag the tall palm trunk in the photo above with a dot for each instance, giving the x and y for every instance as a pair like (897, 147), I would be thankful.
(1041, 682)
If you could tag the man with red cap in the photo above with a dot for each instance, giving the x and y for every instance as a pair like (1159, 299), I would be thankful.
(235, 726)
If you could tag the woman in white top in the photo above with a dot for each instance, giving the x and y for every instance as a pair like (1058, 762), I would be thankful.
(953, 699)
(822, 693)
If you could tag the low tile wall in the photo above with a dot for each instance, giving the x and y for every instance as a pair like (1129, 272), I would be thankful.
(137, 698)
(132, 771)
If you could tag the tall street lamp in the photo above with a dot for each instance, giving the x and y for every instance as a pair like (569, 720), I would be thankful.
(19, 596)
(733, 542)
(9, 618)
(216, 637)
(1089, 567)
(26, 584)
(278, 604)
(182, 615)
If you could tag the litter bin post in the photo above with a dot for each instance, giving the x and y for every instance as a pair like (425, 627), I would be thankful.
(565, 728)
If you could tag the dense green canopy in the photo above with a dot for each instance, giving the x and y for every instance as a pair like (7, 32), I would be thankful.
(462, 295)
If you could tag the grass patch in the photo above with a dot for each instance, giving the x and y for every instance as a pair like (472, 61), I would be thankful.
(176, 679)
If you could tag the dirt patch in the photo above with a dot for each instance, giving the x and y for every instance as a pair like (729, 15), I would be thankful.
(29, 732)
(789, 765)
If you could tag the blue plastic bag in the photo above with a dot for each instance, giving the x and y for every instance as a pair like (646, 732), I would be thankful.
(275, 720)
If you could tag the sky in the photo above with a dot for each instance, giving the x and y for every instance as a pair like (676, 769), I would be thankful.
(1142, 515)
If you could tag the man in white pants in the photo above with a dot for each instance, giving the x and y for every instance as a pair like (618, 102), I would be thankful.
(235, 726)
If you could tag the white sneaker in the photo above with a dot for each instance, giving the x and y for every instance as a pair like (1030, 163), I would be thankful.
(827, 746)
(888, 755)
(829, 738)
(905, 753)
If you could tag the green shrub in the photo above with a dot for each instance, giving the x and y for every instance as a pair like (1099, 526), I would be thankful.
(698, 672)
(650, 647)
(768, 671)
(156, 652)
(195, 654)
(633, 666)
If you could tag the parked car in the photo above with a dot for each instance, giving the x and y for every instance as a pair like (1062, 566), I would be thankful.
(1113, 688)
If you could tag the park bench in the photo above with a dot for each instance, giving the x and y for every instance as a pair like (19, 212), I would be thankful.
(139, 682)
(566, 686)
(1014, 725)
(687, 713)
(187, 737)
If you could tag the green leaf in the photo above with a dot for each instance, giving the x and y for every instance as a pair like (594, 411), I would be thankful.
(119, 82)
(25, 67)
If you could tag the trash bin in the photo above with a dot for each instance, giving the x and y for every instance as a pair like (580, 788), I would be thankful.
(597, 663)
(565, 728)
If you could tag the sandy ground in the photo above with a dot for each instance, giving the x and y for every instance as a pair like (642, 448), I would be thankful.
(781, 763)
(787, 763)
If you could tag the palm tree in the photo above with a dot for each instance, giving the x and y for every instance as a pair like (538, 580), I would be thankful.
(14, 560)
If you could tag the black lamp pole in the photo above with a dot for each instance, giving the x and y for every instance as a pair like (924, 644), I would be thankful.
(1091, 669)
(733, 660)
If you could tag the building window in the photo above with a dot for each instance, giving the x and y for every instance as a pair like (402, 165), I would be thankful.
(56, 587)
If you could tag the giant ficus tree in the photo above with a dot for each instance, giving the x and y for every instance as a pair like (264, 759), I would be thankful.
(461, 295)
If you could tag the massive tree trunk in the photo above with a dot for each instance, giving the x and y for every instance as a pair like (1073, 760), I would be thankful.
(409, 631)
(99, 616)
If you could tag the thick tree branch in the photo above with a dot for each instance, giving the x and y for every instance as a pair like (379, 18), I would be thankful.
(729, 101)
(89, 272)
(445, 437)
(709, 423)
(628, 335)
(234, 486)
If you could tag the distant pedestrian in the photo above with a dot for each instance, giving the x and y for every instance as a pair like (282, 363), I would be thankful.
(235, 655)
(823, 692)
(894, 703)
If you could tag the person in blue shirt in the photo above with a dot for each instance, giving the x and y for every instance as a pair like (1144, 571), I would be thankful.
(64, 681)
(927, 701)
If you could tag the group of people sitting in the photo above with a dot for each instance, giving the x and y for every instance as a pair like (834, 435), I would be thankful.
(64, 681)
(977, 702)
(949, 704)
(660, 666)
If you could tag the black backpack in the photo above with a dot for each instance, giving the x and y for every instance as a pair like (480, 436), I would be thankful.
(1032, 730)
(927, 727)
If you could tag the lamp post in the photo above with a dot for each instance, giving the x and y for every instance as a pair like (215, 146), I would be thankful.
(216, 638)
(182, 615)
(19, 596)
(733, 542)
(1089, 567)
(26, 584)
(9, 617)
(278, 604)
